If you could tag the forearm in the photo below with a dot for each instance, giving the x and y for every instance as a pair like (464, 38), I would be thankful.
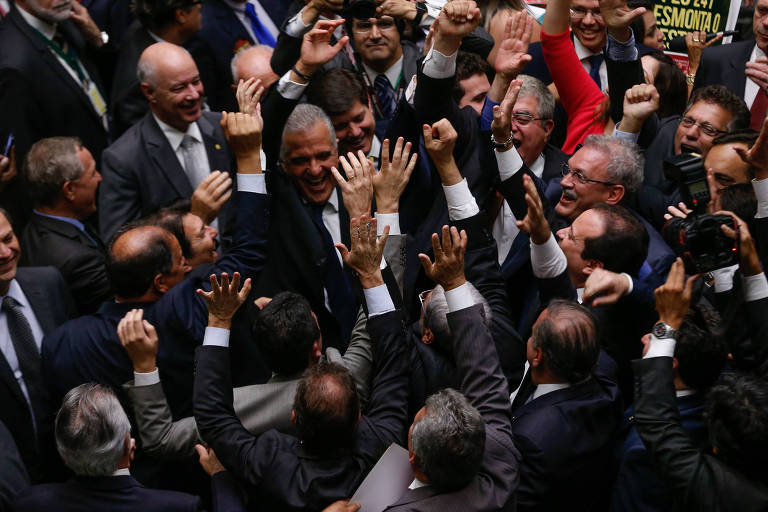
(557, 17)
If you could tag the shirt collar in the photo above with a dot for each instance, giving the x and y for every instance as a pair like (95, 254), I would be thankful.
(122, 472)
(417, 483)
(69, 220)
(236, 6)
(582, 51)
(537, 167)
(333, 201)
(756, 53)
(543, 389)
(156, 37)
(375, 148)
(16, 292)
(45, 28)
(679, 393)
(392, 74)
(175, 136)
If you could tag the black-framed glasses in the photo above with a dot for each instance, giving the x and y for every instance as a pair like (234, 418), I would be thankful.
(422, 299)
(707, 128)
(580, 176)
(525, 118)
(579, 13)
(365, 26)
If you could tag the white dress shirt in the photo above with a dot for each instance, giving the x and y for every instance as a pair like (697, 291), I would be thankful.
(584, 53)
(751, 88)
(239, 9)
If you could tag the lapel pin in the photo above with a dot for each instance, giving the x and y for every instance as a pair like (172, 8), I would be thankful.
(218, 146)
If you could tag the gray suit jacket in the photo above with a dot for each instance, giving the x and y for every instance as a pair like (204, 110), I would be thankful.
(260, 407)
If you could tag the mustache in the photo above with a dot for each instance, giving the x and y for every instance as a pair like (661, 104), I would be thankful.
(570, 194)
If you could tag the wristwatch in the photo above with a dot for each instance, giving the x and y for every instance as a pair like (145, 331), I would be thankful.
(421, 10)
(502, 145)
(690, 78)
(662, 330)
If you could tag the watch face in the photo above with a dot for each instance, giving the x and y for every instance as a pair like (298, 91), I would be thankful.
(660, 330)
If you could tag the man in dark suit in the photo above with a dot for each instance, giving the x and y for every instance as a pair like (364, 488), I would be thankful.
(35, 302)
(167, 154)
(13, 474)
(93, 437)
(741, 67)
(335, 446)
(62, 178)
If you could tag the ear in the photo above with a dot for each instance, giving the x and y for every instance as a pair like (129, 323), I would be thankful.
(293, 417)
(317, 350)
(148, 91)
(68, 190)
(160, 284)
(591, 266)
(428, 337)
(132, 449)
(538, 357)
(181, 16)
(615, 194)
(548, 126)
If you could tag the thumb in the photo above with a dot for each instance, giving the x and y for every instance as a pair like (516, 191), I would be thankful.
(343, 250)
(426, 264)
(201, 452)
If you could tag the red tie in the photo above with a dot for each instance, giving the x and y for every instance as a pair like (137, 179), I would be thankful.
(758, 110)
(2, 12)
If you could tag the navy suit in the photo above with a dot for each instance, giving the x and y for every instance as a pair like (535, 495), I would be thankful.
(725, 65)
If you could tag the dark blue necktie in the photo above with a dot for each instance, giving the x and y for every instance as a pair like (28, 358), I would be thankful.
(595, 61)
(336, 284)
(263, 35)
(385, 95)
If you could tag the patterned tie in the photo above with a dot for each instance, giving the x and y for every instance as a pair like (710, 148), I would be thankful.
(758, 110)
(595, 61)
(386, 96)
(335, 280)
(260, 31)
(194, 171)
(27, 354)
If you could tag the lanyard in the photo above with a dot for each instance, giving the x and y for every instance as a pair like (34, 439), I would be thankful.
(69, 57)
(399, 90)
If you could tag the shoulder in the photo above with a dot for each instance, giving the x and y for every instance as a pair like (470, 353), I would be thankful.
(723, 50)
(127, 145)
(42, 496)
(40, 275)
(163, 501)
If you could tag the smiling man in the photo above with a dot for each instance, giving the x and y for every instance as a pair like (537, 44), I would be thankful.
(167, 154)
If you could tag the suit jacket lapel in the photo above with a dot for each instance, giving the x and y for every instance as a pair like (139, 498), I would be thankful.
(38, 299)
(737, 79)
(526, 389)
(164, 156)
(412, 495)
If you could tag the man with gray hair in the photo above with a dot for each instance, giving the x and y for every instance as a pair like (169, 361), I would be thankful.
(62, 179)
(172, 151)
(253, 62)
(93, 436)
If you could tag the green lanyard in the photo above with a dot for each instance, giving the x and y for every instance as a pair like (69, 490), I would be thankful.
(70, 57)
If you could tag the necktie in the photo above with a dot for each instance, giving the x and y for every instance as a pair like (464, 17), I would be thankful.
(336, 283)
(385, 95)
(758, 110)
(595, 61)
(195, 172)
(27, 354)
(259, 30)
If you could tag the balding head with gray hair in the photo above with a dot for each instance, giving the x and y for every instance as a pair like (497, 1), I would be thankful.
(436, 314)
(49, 164)
(91, 430)
(303, 118)
(625, 162)
(253, 62)
(535, 88)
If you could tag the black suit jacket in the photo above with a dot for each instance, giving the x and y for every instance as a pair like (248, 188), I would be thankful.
(52, 304)
(282, 473)
(725, 65)
(141, 172)
(59, 244)
(127, 103)
(13, 474)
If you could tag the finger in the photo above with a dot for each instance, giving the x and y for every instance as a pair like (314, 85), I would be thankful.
(437, 249)
(222, 187)
(426, 131)
(383, 239)
(689, 286)
(245, 290)
(339, 178)
(202, 453)
(446, 240)
(385, 155)
(343, 251)
(455, 238)
(714, 40)
(235, 285)
(398, 152)
(149, 329)
(411, 165)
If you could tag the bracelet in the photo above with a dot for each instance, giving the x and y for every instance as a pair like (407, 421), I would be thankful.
(301, 75)
(505, 144)
(690, 78)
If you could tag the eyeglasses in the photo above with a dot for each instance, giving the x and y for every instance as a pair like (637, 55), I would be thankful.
(579, 175)
(707, 128)
(579, 13)
(422, 298)
(524, 118)
(365, 26)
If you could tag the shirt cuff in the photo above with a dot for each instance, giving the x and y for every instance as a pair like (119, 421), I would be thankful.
(459, 298)
(255, 183)
(622, 52)
(632, 137)
(388, 219)
(296, 26)
(509, 163)
(378, 300)
(146, 379)
(289, 89)
(724, 278)
(216, 336)
(664, 347)
(631, 283)
(761, 193)
(755, 287)
(461, 202)
(547, 259)
(437, 65)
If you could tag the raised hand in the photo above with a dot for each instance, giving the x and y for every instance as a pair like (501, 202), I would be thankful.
(757, 155)
(440, 139)
(365, 255)
(618, 17)
(512, 54)
(316, 47)
(249, 94)
(674, 297)
(402, 9)
(211, 195)
(640, 102)
(243, 133)
(535, 223)
(139, 339)
(357, 189)
(224, 300)
(749, 261)
(391, 180)
(448, 268)
(696, 41)
(501, 126)
(456, 20)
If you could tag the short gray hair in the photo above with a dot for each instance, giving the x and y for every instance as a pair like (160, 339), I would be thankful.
(625, 162)
(48, 165)
(436, 311)
(304, 117)
(449, 441)
(90, 430)
(535, 88)
(241, 55)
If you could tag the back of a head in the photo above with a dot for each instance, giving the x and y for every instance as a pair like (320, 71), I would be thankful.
(737, 418)
(327, 409)
(670, 82)
(135, 257)
(48, 165)
(253, 62)
(171, 219)
(285, 331)
(336, 90)
(449, 441)
(625, 162)
(436, 311)
(568, 339)
(158, 14)
(623, 246)
(91, 428)
(721, 95)
(701, 356)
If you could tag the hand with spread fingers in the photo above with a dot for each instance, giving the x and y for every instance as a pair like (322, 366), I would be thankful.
(501, 127)
(357, 188)
(139, 339)
(448, 267)
(316, 48)
(249, 94)
(243, 133)
(224, 299)
(391, 180)
(749, 260)
(512, 54)
(618, 17)
(673, 298)
(211, 195)
(364, 257)
(696, 41)
(535, 223)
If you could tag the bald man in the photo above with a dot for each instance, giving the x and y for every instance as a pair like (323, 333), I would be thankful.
(253, 62)
(167, 154)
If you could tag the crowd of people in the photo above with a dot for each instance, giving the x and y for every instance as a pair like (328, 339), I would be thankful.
(248, 245)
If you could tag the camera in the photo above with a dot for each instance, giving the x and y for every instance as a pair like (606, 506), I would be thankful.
(700, 242)
(687, 171)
